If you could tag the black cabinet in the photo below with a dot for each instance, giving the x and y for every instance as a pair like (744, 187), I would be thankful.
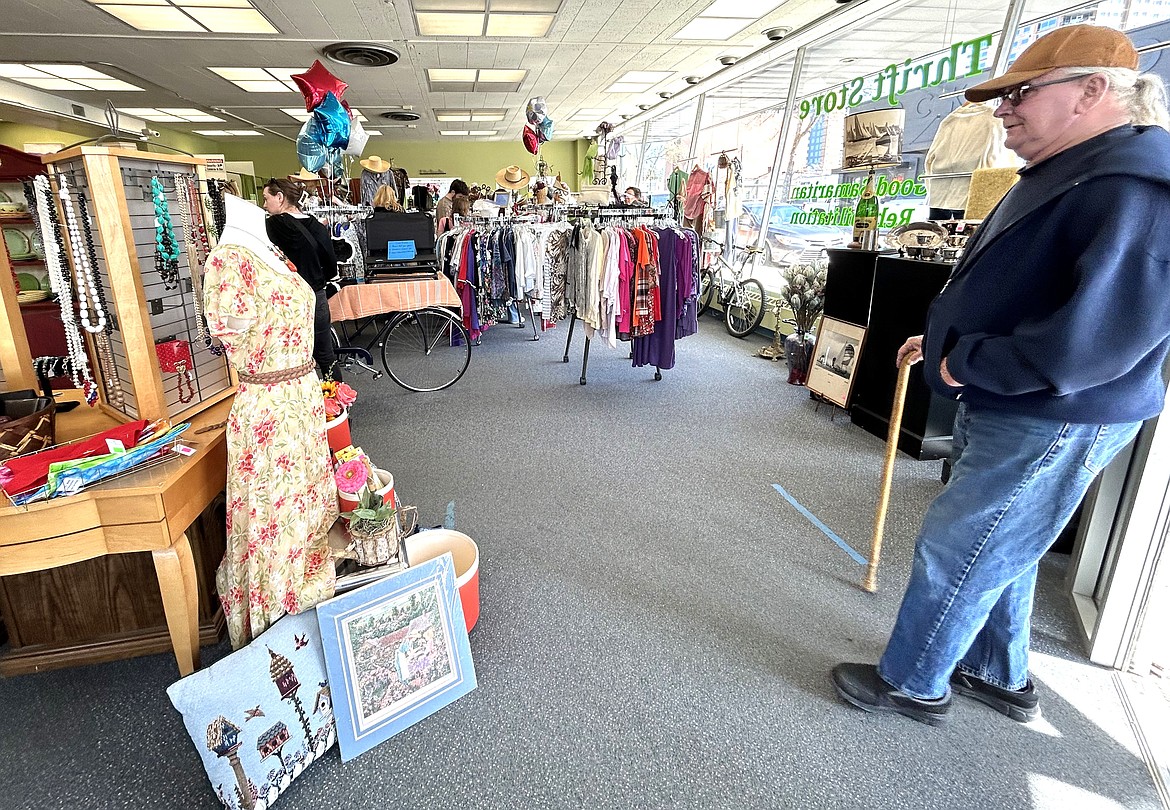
(902, 292)
(849, 286)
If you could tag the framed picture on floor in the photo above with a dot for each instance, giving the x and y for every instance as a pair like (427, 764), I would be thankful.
(396, 652)
(835, 357)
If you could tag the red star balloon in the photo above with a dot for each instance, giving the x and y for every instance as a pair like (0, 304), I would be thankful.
(316, 82)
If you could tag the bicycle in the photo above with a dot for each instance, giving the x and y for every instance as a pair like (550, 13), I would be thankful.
(423, 350)
(742, 299)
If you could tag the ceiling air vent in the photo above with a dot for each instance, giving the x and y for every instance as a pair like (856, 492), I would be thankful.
(361, 54)
(400, 115)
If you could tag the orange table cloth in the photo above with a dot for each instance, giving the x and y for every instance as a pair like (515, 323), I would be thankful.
(393, 295)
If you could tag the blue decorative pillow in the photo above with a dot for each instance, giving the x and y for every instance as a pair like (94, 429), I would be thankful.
(260, 716)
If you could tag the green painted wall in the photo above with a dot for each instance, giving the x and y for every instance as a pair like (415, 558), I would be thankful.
(17, 135)
(474, 161)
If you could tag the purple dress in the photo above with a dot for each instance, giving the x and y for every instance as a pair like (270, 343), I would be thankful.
(674, 282)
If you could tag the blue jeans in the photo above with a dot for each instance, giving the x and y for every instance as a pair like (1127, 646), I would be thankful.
(1015, 482)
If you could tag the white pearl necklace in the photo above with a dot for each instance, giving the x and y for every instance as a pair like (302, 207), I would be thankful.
(60, 284)
(86, 275)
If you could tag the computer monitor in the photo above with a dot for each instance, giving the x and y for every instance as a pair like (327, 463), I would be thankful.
(503, 198)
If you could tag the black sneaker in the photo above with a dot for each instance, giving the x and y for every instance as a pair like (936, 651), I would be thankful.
(1020, 706)
(860, 685)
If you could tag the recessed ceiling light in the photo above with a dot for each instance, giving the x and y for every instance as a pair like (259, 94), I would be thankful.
(713, 28)
(739, 9)
(501, 76)
(64, 77)
(260, 80)
(644, 106)
(450, 25)
(693, 79)
(646, 76)
(728, 60)
(778, 33)
(450, 75)
(220, 16)
(627, 87)
(164, 114)
(518, 25)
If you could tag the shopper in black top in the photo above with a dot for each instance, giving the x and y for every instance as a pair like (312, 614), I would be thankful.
(308, 245)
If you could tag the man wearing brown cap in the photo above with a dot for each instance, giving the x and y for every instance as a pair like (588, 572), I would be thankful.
(1052, 333)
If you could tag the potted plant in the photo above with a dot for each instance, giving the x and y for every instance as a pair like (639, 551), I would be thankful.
(804, 295)
(373, 527)
(338, 397)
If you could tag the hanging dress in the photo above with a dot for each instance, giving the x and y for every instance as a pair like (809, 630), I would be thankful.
(281, 499)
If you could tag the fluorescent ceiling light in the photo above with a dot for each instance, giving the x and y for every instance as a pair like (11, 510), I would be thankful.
(483, 132)
(485, 116)
(529, 6)
(713, 28)
(260, 80)
(450, 25)
(227, 132)
(452, 132)
(740, 9)
(373, 132)
(185, 114)
(69, 71)
(449, 75)
(627, 87)
(502, 76)
(220, 16)
(233, 20)
(153, 18)
(643, 76)
(518, 25)
(64, 77)
(450, 5)
(453, 117)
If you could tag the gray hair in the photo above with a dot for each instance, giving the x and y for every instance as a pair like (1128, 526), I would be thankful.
(1143, 95)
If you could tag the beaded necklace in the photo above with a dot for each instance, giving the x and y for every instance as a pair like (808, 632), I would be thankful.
(84, 272)
(105, 351)
(59, 282)
(166, 256)
(194, 264)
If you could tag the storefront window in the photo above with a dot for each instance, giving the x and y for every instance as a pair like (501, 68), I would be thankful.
(668, 144)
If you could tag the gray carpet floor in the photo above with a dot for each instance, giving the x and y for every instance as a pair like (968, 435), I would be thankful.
(658, 622)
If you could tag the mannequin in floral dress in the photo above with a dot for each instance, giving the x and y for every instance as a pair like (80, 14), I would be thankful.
(281, 499)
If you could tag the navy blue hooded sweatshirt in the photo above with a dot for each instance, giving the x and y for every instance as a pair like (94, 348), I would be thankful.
(1060, 307)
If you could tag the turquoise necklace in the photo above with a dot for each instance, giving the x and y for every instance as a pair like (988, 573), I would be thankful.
(166, 256)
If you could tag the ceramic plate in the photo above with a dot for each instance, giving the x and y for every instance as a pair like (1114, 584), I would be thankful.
(18, 245)
(917, 235)
(28, 282)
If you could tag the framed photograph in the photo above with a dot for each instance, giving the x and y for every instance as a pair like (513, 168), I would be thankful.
(874, 138)
(396, 652)
(835, 357)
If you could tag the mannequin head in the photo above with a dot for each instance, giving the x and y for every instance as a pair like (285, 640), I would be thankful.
(244, 221)
(282, 196)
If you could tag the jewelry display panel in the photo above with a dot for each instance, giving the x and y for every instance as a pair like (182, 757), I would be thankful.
(136, 234)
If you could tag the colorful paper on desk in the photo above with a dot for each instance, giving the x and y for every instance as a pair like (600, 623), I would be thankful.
(74, 479)
(27, 473)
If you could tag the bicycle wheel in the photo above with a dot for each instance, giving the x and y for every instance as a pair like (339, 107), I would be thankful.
(707, 290)
(426, 350)
(745, 308)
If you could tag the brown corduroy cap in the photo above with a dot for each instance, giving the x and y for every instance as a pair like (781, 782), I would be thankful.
(1071, 46)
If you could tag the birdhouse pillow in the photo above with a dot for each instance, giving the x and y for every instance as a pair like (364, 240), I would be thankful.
(261, 715)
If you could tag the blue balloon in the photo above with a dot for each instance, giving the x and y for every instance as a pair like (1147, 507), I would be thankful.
(310, 151)
(333, 121)
(545, 130)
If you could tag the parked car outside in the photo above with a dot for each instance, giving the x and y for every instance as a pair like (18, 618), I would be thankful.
(787, 243)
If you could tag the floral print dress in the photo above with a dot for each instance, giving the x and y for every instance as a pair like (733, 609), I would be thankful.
(281, 498)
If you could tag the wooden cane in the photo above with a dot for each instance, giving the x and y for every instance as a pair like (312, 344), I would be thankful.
(879, 518)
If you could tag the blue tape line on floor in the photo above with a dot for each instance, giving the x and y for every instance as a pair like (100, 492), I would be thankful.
(857, 558)
(449, 520)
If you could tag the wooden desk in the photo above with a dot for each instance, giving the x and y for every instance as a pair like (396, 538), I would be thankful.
(150, 510)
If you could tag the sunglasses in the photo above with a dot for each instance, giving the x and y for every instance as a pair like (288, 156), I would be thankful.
(1017, 94)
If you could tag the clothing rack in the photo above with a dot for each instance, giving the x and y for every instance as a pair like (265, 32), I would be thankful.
(666, 222)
